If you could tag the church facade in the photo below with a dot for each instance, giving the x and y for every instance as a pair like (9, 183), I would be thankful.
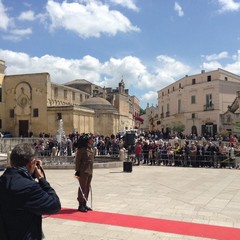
(31, 104)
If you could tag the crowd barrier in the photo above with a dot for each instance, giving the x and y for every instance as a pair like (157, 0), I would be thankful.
(208, 159)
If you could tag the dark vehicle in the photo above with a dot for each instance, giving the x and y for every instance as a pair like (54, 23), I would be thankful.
(7, 134)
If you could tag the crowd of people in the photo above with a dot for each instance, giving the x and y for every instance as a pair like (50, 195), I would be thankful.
(25, 194)
(152, 149)
(186, 153)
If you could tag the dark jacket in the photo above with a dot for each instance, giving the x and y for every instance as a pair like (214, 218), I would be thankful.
(22, 203)
(84, 160)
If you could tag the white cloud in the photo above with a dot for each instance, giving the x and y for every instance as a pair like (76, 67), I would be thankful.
(170, 70)
(126, 3)
(213, 65)
(236, 57)
(235, 66)
(229, 6)
(12, 32)
(218, 56)
(178, 9)
(27, 16)
(21, 32)
(16, 35)
(150, 96)
(130, 68)
(215, 61)
(4, 22)
(134, 73)
(88, 20)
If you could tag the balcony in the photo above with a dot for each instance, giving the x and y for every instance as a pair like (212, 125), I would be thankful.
(208, 107)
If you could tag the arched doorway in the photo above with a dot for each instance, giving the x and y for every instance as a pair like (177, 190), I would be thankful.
(194, 130)
(209, 129)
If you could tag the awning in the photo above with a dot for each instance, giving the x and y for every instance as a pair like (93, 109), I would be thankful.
(138, 118)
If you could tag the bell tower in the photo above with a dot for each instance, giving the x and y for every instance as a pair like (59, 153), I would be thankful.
(2, 67)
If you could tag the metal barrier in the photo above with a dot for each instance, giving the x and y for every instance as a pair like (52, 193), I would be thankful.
(7, 144)
(208, 159)
(57, 161)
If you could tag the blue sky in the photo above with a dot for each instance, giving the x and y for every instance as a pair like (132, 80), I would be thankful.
(148, 43)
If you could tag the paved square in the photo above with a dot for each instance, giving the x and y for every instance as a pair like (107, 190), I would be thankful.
(192, 195)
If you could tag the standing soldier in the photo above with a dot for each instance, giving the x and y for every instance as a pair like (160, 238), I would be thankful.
(84, 170)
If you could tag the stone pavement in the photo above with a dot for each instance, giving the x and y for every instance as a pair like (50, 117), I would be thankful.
(194, 195)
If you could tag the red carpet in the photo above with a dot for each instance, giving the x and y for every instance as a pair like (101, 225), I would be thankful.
(153, 224)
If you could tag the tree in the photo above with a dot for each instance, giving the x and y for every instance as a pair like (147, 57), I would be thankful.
(177, 127)
(142, 111)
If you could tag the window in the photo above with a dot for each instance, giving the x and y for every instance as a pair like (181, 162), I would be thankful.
(193, 99)
(179, 105)
(173, 89)
(65, 94)
(35, 112)
(73, 96)
(0, 94)
(167, 113)
(162, 93)
(209, 104)
(11, 113)
(80, 97)
(59, 116)
(209, 78)
(168, 91)
(209, 100)
(180, 86)
(0, 123)
(162, 113)
(193, 115)
(55, 92)
(226, 78)
(193, 81)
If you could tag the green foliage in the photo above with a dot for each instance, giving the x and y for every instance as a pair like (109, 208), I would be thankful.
(142, 111)
(223, 133)
(237, 124)
(177, 127)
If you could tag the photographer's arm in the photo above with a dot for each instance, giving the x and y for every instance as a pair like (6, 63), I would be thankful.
(38, 171)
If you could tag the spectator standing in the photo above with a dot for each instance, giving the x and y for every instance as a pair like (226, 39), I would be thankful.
(138, 152)
(145, 152)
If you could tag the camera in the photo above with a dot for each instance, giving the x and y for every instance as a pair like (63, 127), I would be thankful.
(41, 169)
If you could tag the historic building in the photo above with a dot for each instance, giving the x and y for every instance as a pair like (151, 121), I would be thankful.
(151, 119)
(31, 104)
(230, 120)
(135, 109)
(197, 101)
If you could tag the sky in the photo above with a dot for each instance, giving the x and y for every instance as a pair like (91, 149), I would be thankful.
(147, 43)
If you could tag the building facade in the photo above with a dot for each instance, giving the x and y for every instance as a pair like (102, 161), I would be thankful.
(135, 109)
(231, 119)
(31, 104)
(197, 102)
(151, 119)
